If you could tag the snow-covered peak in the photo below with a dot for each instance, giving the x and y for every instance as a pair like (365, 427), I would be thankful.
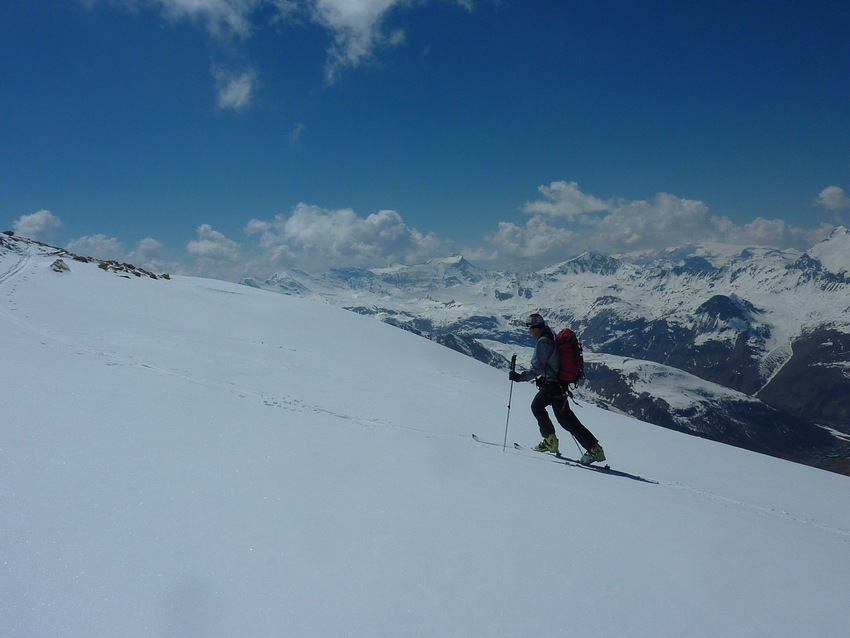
(834, 251)
(588, 262)
(453, 260)
(443, 272)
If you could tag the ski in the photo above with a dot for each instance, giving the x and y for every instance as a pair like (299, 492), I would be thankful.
(517, 446)
(477, 439)
(556, 458)
(566, 459)
(604, 469)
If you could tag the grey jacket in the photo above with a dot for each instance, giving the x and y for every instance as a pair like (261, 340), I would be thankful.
(545, 362)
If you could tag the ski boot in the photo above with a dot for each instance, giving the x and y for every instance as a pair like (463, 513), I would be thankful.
(549, 444)
(594, 455)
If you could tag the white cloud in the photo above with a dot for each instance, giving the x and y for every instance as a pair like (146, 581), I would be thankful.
(669, 220)
(316, 238)
(215, 256)
(564, 199)
(39, 226)
(615, 226)
(147, 254)
(98, 246)
(619, 226)
(146, 251)
(536, 241)
(665, 219)
(213, 247)
(295, 134)
(833, 198)
(234, 88)
(221, 18)
(357, 29)
(226, 22)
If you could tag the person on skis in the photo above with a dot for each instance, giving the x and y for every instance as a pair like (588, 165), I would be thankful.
(545, 367)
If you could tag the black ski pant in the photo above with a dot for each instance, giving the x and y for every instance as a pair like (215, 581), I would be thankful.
(552, 394)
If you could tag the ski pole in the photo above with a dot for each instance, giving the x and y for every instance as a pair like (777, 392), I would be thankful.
(510, 396)
(575, 440)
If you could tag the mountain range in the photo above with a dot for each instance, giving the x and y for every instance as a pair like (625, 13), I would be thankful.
(744, 345)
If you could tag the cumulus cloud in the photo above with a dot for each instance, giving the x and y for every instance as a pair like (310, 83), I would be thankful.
(213, 246)
(571, 222)
(39, 226)
(98, 246)
(317, 238)
(621, 226)
(536, 241)
(667, 218)
(833, 198)
(148, 253)
(565, 199)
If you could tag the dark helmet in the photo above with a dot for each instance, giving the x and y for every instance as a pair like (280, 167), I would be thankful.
(535, 321)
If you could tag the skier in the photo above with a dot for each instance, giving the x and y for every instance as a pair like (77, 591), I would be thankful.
(545, 366)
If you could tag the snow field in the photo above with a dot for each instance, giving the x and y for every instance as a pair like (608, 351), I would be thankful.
(196, 458)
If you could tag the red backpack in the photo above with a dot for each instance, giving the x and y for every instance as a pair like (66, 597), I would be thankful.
(572, 361)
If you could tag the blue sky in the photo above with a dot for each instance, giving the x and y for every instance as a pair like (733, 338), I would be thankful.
(235, 137)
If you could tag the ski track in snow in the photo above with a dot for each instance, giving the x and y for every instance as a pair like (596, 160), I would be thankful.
(290, 403)
(760, 509)
(294, 404)
(15, 269)
(9, 276)
(697, 492)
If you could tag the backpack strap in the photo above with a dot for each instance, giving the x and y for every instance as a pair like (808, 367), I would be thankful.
(555, 351)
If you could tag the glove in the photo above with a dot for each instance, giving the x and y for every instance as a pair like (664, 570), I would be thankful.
(513, 375)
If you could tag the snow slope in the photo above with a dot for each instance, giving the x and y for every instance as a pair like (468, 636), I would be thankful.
(198, 458)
